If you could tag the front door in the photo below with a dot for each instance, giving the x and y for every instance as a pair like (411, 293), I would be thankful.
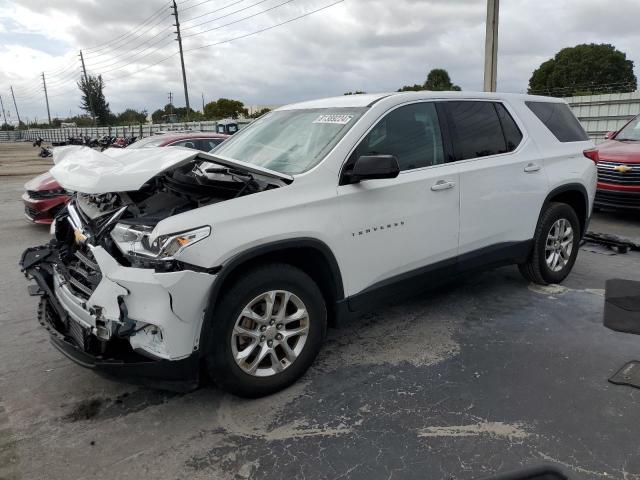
(393, 228)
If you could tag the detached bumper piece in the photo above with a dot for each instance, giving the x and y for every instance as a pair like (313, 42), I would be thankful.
(622, 314)
(113, 358)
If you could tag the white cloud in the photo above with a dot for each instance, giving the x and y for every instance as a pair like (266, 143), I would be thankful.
(372, 45)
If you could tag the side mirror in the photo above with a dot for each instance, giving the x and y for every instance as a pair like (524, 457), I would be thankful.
(609, 135)
(371, 167)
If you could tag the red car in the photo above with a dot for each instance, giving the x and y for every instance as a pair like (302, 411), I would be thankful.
(618, 160)
(44, 197)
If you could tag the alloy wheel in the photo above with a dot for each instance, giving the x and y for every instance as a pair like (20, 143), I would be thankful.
(559, 245)
(270, 333)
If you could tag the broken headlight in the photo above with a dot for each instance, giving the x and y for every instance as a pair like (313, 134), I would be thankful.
(134, 240)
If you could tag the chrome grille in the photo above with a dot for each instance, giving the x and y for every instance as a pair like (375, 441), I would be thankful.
(607, 173)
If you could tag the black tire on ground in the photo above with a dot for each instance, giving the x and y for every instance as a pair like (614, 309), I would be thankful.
(535, 269)
(220, 361)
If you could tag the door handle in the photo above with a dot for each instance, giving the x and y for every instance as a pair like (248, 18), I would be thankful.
(442, 185)
(532, 167)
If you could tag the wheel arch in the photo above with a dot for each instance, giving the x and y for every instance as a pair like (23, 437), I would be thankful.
(310, 255)
(575, 195)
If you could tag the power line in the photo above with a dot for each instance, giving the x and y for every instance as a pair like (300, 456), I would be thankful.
(140, 58)
(125, 43)
(266, 28)
(134, 58)
(144, 68)
(129, 33)
(222, 16)
(198, 4)
(131, 48)
(241, 19)
(213, 11)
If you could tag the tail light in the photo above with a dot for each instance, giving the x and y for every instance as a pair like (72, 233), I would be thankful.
(592, 154)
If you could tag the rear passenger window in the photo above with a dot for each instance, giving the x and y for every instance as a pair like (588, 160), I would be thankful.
(512, 134)
(410, 133)
(557, 117)
(476, 129)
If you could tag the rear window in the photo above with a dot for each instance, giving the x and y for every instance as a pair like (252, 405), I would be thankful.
(557, 117)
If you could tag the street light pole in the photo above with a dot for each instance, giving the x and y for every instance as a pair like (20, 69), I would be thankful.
(491, 46)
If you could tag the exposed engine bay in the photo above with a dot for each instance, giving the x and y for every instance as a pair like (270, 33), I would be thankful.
(121, 221)
(176, 191)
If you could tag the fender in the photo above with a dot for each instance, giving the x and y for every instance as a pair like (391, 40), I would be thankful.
(569, 187)
(274, 247)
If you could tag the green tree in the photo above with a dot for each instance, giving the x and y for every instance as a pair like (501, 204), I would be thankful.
(161, 115)
(156, 117)
(224, 108)
(357, 92)
(412, 88)
(93, 99)
(584, 69)
(437, 80)
(131, 116)
(260, 112)
(6, 127)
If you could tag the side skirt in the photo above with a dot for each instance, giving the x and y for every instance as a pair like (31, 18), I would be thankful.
(428, 277)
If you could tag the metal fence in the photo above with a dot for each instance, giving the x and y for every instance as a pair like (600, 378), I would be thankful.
(600, 114)
(142, 130)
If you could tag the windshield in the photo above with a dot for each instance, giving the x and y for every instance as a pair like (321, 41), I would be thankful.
(154, 141)
(631, 131)
(290, 141)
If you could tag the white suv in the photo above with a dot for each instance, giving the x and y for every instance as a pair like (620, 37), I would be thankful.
(169, 260)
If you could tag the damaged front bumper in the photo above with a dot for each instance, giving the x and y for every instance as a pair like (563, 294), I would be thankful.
(137, 324)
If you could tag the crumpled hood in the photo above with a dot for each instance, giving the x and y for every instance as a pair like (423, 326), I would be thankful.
(83, 169)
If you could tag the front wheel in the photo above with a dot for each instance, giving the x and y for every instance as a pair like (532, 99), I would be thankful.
(266, 331)
(555, 246)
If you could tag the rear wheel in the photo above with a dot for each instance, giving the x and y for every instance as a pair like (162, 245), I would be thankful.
(555, 245)
(266, 331)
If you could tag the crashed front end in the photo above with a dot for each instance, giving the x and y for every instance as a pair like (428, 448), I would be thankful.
(118, 300)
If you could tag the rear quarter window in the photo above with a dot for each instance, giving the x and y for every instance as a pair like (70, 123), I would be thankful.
(557, 117)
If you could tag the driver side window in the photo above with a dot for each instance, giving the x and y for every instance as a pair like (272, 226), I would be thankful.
(410, 133)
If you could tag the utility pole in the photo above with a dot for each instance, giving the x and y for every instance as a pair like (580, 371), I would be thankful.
(491, 46)
(15, 105)
(184, 75)
(86, 82)
(170, 103)
(4, 115)
(46, 97)
(202, 93)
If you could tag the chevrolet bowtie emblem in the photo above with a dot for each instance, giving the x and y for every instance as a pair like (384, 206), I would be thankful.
(622, 168)
(79, 236)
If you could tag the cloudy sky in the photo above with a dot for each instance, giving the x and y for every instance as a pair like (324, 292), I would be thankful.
(371, 45)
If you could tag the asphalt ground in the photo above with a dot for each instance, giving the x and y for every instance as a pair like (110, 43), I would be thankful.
(480, 376)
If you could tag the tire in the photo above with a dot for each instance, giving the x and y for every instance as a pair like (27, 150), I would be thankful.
(252, 292)
(537, 268)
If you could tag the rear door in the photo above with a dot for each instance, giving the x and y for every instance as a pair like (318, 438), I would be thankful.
(393, 228)
(502, 177)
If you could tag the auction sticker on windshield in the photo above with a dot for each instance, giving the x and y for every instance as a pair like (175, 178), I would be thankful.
(339, 119)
